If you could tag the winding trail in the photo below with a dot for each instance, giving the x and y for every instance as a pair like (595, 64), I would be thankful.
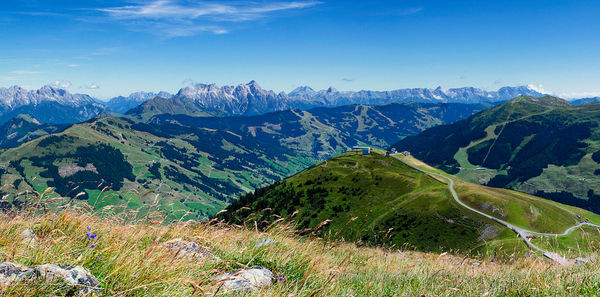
(522, 232)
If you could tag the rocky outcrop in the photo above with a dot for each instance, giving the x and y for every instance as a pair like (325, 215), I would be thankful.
(252, 278)
(188, 250)
(13, 272)
(82, 280)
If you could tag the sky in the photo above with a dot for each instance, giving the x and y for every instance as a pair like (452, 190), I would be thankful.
(115, 47)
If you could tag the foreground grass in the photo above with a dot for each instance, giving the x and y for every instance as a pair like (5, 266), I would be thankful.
(128, 260)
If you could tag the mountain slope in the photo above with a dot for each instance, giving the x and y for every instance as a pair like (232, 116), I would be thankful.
(379, 200)
(193, 171)
(24, 128)
(321, 132)
(585, 100)
(544, 146)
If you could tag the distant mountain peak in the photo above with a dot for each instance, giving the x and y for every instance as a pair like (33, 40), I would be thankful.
(16, 96)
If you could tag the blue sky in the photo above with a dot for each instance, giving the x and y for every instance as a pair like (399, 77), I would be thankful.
(109, 48)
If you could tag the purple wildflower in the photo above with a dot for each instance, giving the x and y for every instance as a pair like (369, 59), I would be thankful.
(92, 246)
(280, 278)
(91, 236)
(89, 228)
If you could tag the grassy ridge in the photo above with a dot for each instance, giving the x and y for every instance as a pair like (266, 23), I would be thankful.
(379, 200)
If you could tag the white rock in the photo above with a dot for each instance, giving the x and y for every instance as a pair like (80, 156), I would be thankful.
(252, 278)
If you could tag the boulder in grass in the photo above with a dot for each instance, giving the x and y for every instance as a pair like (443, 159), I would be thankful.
(72, 275)
(28, 237)
(252, 278)
(188, 250)
(13, 272)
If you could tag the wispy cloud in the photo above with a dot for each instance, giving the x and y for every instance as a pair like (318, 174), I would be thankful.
(62, 84)
(172, 18)
(348, 79)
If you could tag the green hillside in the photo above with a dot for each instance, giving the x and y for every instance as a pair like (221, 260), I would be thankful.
(543, 146)
(378, 199)
(191, 172)
(24, 128)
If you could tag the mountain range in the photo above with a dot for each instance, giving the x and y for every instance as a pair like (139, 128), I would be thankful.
(251, 99)
(54, 105)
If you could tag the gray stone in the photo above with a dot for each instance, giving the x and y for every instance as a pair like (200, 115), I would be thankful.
(252, 278)
(188, 249)
(13, 272)
(72, 275)
(28, 237)
(265, 242)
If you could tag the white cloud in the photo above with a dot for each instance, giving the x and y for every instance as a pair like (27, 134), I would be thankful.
(62, 84)
(175, 18)
(539, 89)
(73, 65)
(91, 86)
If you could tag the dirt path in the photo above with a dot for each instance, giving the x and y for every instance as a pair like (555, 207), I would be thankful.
(522, 232)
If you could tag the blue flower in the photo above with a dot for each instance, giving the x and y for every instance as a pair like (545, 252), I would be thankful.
(280, 278)
(92, 246)
(91, 236)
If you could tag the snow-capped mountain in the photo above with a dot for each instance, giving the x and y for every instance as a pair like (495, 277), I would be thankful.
(246, 99)
(332, 97)
(48, 105)
(16, 96)
(122, 104)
